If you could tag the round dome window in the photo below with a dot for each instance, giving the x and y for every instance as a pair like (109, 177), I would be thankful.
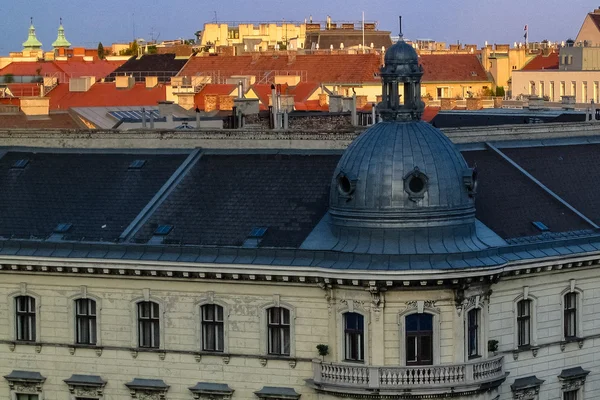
(415, 184)
(345, 185)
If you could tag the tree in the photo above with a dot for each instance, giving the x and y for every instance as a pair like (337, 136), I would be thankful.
(152, 49)
(131, 51)
(101, 53)
(500, 91)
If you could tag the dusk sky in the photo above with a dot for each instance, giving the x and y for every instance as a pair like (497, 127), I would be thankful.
(468, 21)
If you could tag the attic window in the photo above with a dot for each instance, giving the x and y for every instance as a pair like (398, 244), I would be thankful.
(257, 232)
(63, 227)
(473, 73)
(540, 226)
(163, 230)
(137, 164)
(20, 164)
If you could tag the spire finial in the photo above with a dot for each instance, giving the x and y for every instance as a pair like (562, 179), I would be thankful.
(400, 26)
(61, 20)
(31, 20)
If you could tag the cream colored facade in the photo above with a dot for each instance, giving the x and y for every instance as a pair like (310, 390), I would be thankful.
(589, 31)
(583, 85)
(501, 61)
(264, 35)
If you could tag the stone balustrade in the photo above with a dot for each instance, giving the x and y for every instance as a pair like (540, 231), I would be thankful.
(356, 378)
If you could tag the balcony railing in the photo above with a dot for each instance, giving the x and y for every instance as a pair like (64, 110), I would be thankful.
(360, 379)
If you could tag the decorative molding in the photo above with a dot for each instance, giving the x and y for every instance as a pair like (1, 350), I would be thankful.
(98, 351)
(162, 355)
(534, 350)
(292, 363)
(527, 394)
(263, 361)
(515, 355)
(421, 305)
(572, 384)
(38, 348)
(226, 359)
(71, 350)
(141, 394)
(134, 353)
(198, 357)
(12, 346)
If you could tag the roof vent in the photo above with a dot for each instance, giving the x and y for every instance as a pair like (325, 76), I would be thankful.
(255, 237)
(20, 164)
(163, 230)
(540, 226)
(137, 164)
(63, 227)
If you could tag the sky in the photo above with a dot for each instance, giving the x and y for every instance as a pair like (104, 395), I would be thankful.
(88, 22)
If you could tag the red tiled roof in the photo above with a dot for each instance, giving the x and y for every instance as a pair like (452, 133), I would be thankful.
(98, 68)
(430, 113)
(212, 88)
(52, 121)
(105, 95)
(263, 91)
(310, 105)
(541, 61)
(24, 89)
(595, 19)
(303, 90)
(321, 68)
(30, 68)
(452, 68)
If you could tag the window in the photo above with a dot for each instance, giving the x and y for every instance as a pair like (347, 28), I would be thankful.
(596, 92)
(278, 324)
(85, 321)
(25, 318)
(584, 92)
(212, 327)
(473, 332)
(570, 395)
(542, 89)
(524, 323)
(552, 91)
(354, 337)
(574, 89)
(562, 89)
(148, 324)
(570, 318)
(419, 339)
(21, 396)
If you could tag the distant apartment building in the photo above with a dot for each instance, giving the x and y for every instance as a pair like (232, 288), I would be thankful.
(590, 29)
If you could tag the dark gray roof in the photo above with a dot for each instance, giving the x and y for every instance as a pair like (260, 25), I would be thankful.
(573, 373)
(277, 393)
(147, 384)
(28, 376)
(85, 380)
(211, 388)
(350, 38)
(96, 193)
(224, 197)
(163, 66)
(526, 382)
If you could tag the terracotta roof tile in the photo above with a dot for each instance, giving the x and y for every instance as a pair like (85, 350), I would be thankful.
(541, 61)
(430, 113)
(24, 89)
(321, 68)
(105, 95)
(52, 121)
(31, 68)
(303, 90)
(452, 68)
(97, 68)
(212, 88)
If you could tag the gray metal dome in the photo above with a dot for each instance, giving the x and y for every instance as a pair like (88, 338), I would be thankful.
(401, 53)
(402, 175)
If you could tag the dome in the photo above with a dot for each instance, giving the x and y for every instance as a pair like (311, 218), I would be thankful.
(402, 175)
(401, 53)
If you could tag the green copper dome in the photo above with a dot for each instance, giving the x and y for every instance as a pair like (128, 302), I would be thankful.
(32, 43)
(61, 40)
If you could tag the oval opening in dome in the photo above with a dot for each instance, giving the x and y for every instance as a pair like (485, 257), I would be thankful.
(344, 185)
(416, 184)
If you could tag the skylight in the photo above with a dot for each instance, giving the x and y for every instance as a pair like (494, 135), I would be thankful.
(257, 232)
(137, 164)
(63, 227)
(22, 163)
(163, 230)
(540, 226)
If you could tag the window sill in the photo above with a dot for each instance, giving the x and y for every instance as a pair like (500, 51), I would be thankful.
(474, 357)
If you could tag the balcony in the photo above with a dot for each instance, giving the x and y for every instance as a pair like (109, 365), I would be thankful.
(423, 381)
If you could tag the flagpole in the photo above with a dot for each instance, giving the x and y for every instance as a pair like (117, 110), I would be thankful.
(363, 31)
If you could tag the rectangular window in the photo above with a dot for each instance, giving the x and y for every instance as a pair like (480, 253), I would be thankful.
(562, 89)
(584, 92)
(419, 339)
(570, 315)
(25, 318)
(278, 320)
(85, 321)
(473, 332)
(571, 395)
(148, 324)
(542, 89)
(22, 396)
(212, 327)
(574, 89)
(354, 337)
(524, 322)
(531, 87)
(552, 91)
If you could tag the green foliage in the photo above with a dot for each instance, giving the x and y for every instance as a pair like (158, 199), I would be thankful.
(500, 91)
(131, 51)
(101, 53)
(282, 45)
(152, 49)
(323, 350)
(492, 345)
(9, 78)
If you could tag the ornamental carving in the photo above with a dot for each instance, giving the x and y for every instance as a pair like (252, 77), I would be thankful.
(427, 304)
(526, 394)
(141, 394)
(355, 303)
(23, 387)
(85, 391)
(572, 384)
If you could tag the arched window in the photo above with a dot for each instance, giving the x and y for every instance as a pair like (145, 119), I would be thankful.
(524, 323)
(278, 325)
(85, 321)
(570, 315)
(212, 327)
(148, 324)
(25, 319)
(354, 335)
(419, 339)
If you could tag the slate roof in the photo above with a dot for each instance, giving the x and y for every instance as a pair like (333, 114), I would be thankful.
(96, 193)
(541, 61)
(224, 197)
(508, 202)
(569, 171)
(321, 68)
(452, 68)
(106, 95)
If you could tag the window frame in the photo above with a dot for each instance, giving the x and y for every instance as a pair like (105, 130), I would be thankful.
(419, 334)
(577, 393)
(264, 331)
(524, 319)
(72, 311)
(29, 315)
(214, 324)
(532, 321)
(357, 337)
(476, 330)
(89, 319)
(151, 320)
(279, 328)
(435, 312)
(573, 290)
